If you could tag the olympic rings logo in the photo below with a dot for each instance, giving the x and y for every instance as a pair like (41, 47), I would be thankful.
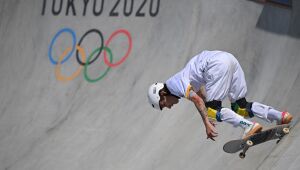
(84, 61)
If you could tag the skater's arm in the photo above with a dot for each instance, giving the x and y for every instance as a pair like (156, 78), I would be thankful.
(199, 103)
(202, 93)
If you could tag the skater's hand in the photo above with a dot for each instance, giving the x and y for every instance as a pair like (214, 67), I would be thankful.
(211, 132)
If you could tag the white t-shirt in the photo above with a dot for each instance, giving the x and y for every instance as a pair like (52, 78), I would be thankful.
(192, 75)
(218, 71)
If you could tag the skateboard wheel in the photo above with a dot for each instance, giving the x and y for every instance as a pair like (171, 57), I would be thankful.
(286, 130)
(242, 155)
(249, 143)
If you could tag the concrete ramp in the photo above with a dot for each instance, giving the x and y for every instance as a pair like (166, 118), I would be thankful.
(56, 113)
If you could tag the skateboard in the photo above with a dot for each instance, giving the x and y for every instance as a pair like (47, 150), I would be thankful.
(277, 132)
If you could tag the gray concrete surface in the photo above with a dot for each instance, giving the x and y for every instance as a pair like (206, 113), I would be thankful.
(46, 124)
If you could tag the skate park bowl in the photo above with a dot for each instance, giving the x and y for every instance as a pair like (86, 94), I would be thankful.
(75, 75)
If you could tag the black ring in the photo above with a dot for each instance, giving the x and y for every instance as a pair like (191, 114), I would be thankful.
(80, 41)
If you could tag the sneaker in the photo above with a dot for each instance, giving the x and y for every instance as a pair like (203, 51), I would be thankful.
(286, 118)
(254, 128)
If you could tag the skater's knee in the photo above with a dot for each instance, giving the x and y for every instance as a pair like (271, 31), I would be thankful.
(243, 107)
(216, 105)
(213, 110)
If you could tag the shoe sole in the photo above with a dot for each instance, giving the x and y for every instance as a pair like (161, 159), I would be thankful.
(288, 118)
(256, 129)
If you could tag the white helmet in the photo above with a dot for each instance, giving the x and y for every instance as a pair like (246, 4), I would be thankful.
(153, 94)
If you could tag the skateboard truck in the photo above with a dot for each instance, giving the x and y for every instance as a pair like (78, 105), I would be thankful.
(280, 136)
(248, 144)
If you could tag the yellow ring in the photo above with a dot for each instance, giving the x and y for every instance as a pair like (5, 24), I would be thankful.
(58, 74)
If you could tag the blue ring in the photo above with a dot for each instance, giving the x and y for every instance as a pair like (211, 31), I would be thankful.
(69, 30)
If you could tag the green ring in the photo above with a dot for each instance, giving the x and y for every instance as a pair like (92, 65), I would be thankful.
(88, 60)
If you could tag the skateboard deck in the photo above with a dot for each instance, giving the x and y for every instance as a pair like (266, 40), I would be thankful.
(277, 132)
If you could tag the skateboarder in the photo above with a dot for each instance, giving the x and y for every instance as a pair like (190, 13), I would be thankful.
(206, 80)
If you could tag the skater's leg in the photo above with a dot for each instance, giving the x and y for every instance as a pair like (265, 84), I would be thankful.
(229, 116)
(262, 111)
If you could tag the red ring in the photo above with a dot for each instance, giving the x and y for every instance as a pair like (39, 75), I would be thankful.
(126, 55)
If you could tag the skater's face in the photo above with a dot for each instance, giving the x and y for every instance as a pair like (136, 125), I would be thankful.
(167, 101)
